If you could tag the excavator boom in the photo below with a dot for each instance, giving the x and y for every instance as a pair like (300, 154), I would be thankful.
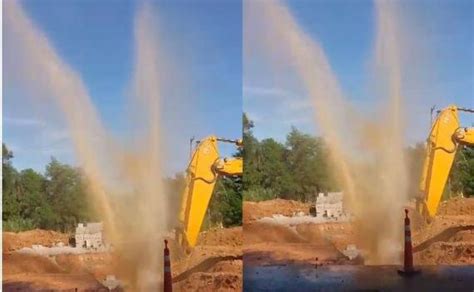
(202, 173)
(442, 144)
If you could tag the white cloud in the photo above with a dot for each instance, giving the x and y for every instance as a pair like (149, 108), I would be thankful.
(274, 110)
(23, 122)
(304, 119)
(34, 141)
(56, 135)
(275, 95)
(300, 104)
(55, 142)
(258, 91)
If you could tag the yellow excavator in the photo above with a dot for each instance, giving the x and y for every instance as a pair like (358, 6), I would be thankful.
(443, 142)
(204, 168)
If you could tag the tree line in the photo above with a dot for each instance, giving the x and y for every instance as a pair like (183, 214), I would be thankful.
(57, 199)
(300, 167)
(295, 169)
(53, 200)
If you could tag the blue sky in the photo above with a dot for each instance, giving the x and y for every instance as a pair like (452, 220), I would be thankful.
(203, 41)
(443, 34)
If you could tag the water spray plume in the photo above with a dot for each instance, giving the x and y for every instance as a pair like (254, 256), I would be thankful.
(46, 72)
(366, 152)
(124, 182)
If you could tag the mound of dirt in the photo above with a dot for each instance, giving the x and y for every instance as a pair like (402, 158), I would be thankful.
(457, 206)
(234, 266)
(98, 264)
(22, 263)
(449, 238)
(255, 210)
(221, 237)
(443, 228)
(270, 244)
(215, 264)
(276, 242)
(463, 236)
(258, 232)
(51, 282)
(447, 253)
(211, 282)
(15, 241)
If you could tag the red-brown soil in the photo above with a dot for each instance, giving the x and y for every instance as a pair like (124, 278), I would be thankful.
(214, 265)
(256, 210)
(448, 239)
(14, 241)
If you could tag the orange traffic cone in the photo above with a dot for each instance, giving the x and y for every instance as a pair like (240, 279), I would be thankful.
(167, 283)
(408, 269)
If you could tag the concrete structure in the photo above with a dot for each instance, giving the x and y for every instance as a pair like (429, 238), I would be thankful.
(329, 205)
(111, 282)
(351, 251)
(89, 235)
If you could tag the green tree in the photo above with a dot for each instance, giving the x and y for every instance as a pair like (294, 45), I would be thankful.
(250, 153)
(253, 189)
(11, 206)
(226, 204)
(462, 174)
(308, 162)
(64, 187)
(274, 173)
(461, 178)
(294, 170)
(33, 201)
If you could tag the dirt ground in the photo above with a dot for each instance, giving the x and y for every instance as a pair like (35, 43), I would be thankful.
(274, 244)
(256, 210)
(216, 262)
(14, 241)
(214, 265)
(448, 240)
(26, 272)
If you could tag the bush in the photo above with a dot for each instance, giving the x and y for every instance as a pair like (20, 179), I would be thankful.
(18, 224)
(258, 194)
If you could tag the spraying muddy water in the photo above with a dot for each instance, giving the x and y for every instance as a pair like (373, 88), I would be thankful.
(366, 149)
(124, 180)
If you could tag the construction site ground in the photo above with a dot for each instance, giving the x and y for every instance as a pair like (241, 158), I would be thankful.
(214, 265)
(271, 248)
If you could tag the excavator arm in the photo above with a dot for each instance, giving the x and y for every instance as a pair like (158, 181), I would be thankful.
(202, 173)
(445, 137)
